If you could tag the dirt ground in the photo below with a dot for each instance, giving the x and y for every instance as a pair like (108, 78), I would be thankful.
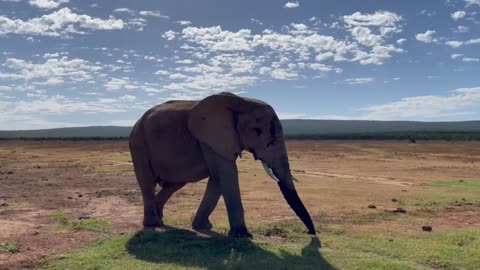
(338, 180)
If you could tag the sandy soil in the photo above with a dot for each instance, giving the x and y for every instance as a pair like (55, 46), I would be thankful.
(338, 179)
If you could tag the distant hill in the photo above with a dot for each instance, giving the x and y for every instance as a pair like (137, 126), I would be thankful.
(308, 127)
(296, 128)
(70, 132)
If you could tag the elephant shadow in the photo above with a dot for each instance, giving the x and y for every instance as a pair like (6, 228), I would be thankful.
(188, 249)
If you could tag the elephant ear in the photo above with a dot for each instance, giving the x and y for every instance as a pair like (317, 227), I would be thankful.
(213, 122)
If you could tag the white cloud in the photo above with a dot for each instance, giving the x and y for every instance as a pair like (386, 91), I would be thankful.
(365, 37)
(426, 106)
(47, 4)
(470, 59)
(218, 59)
(169, 35)
(184, 22)
(292, 4)
(457, 15)
(401, 41)
(359, 80)
(454, 43)
(462, 29)
(379, 18)
(426, 37)
(57, 24)
(153, 13)
(127, 98)
(124, 10)
(115, 84)
(177, 76)
(473, 41)
(456, 55)
(53, 70)
(472, 2)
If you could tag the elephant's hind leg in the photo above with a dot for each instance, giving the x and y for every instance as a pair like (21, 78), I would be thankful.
(208, 204)
(145, 178)
(163, 195)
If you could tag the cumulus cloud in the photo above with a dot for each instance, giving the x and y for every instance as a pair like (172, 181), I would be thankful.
(219, 59)
(184, 22)
(470, 59)
(456, 43)
(169, 35)
(457, 15)
(426, 106)
(153, 13)
(426, 37)
(456, 55)
(57, 24)
(379, 18)
(292, 4)
(51, 72)
(359, 80)
(127, 98)
(124, 10)
(472, 2)
(47, 4)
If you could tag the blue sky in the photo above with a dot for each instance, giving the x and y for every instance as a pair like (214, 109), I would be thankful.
(79, 63)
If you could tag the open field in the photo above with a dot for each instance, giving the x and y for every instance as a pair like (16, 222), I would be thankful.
(76, 205)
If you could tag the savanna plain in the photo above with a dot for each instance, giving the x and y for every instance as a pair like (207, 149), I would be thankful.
(375, 204)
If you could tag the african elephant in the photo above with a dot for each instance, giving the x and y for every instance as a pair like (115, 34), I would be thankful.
(180, 142)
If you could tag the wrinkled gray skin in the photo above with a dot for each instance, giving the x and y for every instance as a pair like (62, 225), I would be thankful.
(180, 142)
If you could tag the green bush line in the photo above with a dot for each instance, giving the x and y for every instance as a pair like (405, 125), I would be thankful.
(400, 135)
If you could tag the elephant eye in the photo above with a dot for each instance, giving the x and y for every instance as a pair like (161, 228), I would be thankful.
(258, 131)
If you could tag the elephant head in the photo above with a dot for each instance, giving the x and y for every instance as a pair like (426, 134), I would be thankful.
(229, 124)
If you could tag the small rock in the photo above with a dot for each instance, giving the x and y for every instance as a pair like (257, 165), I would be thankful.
(70, 198)
(4, 204)
(404, 190)
(84, 217)
(460, 181)
(80, 195)
(394, 200)
(35, 233)
(400, 210)
(10, 172)
(372, 206)
(38, 167)
(427, 228)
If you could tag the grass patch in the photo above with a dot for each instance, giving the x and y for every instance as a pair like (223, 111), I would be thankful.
(458, 184)
(9, 247)
(177, 249)
(88, 224)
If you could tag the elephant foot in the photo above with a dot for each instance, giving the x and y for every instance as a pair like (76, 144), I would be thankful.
(202, 225)
(152, 224)
(240, 232)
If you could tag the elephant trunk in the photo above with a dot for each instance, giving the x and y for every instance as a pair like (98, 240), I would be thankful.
(280, 172)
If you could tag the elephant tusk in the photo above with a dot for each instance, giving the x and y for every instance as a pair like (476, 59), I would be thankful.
(269, 172)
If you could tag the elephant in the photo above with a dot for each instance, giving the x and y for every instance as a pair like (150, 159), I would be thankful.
(183, 141)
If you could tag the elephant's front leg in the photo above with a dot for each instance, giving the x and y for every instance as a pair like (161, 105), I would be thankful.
(226, 172)
(208, 204)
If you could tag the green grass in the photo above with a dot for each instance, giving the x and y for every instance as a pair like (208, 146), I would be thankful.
(88, 224)
(458, 184)
(9, 247)
(288, 247)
